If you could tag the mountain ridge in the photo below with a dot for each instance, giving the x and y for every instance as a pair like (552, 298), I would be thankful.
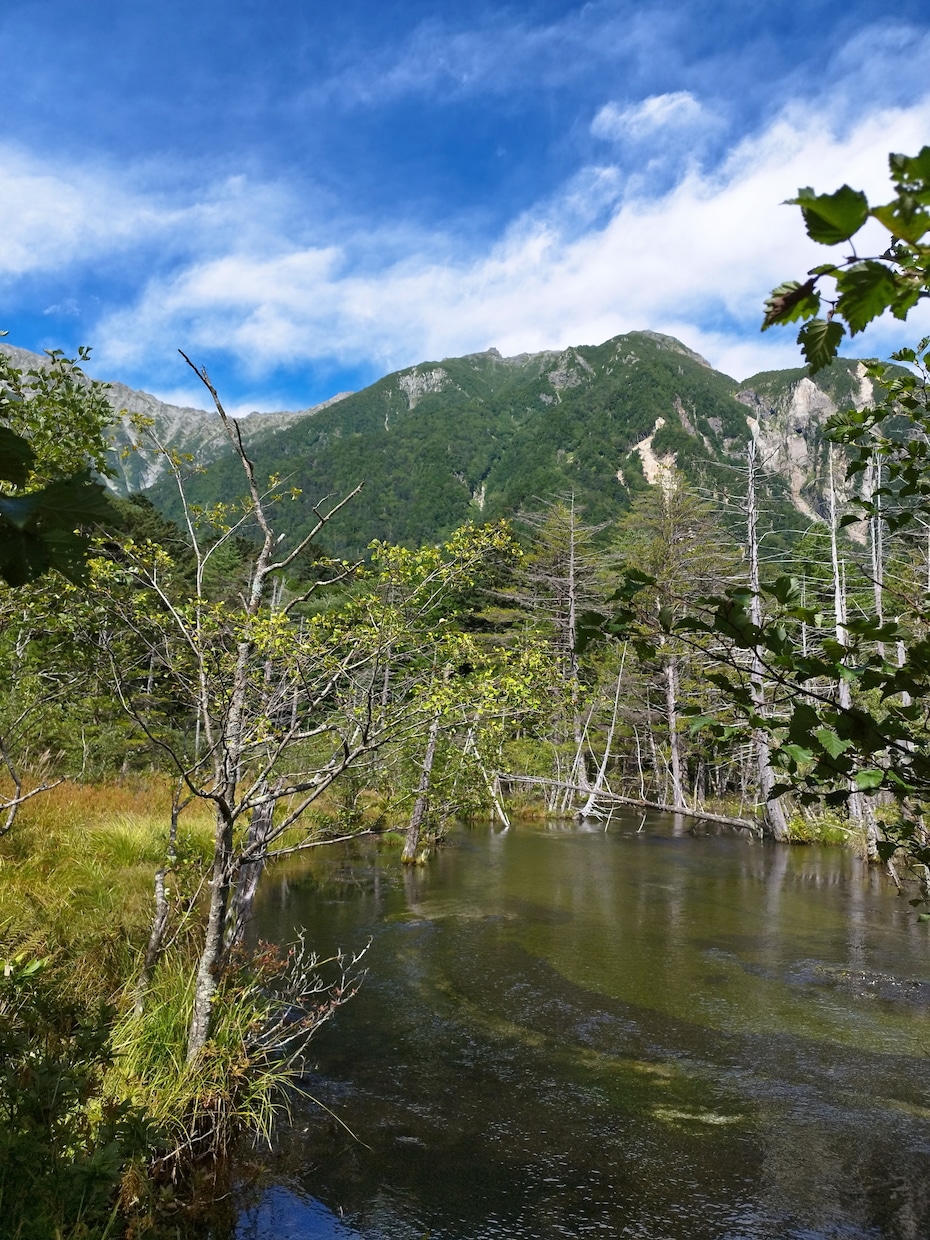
(483, 436)
(197, 430)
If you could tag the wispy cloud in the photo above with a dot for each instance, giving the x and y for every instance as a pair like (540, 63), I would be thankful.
(675, 110)
(64, 309)
(695, 262)
(61, 212)
(497, 54)
(51, 214)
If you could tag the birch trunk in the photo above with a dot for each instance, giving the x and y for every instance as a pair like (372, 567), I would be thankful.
(773, 813)
(211, 956)
(876, 543)
(588, 808)
(153, 948)
(674, 742)
(579, 773)
(250, 868)
(421, 805)
(858, 809)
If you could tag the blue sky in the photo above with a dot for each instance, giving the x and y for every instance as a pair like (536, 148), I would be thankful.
(309, 194)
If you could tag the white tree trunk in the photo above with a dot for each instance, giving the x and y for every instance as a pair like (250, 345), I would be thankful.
(859, 810)
(674, 741)
(588, 808)
(421, 805)
(773, 812)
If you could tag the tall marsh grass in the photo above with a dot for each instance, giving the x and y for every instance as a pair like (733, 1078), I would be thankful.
(76, 904)
(76, 875)
(197, 1109)
(118, 1123)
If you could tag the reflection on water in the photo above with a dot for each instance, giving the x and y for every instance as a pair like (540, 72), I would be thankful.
(570, 1033)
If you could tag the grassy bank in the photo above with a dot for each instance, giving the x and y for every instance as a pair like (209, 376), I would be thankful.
(101, 1117)
(76, 877)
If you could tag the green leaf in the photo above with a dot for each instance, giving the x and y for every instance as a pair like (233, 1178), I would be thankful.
(911, 170)
(820, 341)
(804, 719)
(800, 753)
(633, 581)
(37, 530)
(20, 510)
(74, 501)
(785, 590)
(592, 627)
(791, 300)
(832, 218)
(868, 779)
(23, 556)
(831, 743)
(16, 457)
(839, 797)
(865, 290)
(904, 219)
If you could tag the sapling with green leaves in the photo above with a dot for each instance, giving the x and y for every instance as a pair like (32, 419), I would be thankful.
(53, 434)
(894, 279)
(852, 715)
(277, 709)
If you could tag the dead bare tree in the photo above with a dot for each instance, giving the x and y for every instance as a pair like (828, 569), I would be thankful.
(281, 709)
(559, 583)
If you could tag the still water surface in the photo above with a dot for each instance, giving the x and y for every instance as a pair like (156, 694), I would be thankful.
(644, 1033)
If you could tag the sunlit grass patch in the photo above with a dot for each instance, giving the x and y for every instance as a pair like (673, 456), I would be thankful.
(825, 826)
(711, 1118)
(76, 874)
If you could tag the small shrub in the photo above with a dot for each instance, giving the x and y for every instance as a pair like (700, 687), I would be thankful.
(63, 1146)
(824, 826)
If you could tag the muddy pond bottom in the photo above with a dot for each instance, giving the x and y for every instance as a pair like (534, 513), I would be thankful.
(573, 1032)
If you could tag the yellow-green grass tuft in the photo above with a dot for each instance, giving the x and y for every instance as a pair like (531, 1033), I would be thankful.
(199, 1108)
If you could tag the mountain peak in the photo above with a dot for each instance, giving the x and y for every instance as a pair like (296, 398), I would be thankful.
(672, 343)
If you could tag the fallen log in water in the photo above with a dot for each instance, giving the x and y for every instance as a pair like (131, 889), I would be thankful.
(614, 798)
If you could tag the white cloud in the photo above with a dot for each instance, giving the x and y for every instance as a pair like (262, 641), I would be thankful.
(496, 55)
(60, 213)
(68, 308)
(676, 110)
(241, 272)
(695, 262)
(53, 214)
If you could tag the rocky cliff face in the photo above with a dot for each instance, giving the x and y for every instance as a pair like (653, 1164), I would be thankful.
(417, 383)
(136, 464)
(786, 415)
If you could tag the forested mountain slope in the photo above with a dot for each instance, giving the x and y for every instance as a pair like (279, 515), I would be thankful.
(483, 436)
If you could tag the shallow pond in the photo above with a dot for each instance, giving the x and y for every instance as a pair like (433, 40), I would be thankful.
(631, 1032)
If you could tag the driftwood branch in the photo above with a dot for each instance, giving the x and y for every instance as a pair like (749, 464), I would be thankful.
(615, 799)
